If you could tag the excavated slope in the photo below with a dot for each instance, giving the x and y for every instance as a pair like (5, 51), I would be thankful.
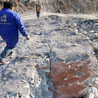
(62, 6)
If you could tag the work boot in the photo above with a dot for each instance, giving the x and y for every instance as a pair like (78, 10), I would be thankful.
(11, 53)
(3, 62)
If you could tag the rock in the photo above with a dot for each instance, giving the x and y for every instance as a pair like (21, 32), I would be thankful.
(95, 44)
(91, 95)
(92, 92)
(93, 81)
(95, 28)
(65, 77)
(96, 34)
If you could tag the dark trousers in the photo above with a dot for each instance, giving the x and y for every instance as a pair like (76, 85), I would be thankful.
(5, 53)
(38, 14)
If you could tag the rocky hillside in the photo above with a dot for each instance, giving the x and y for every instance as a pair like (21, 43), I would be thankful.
(63, 6)
(69, 6)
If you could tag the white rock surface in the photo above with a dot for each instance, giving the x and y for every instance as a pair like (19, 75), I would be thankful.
(95, 44)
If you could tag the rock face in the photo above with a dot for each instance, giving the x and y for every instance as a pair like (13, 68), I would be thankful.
(66, 6)
(62, 6)
(66, 44)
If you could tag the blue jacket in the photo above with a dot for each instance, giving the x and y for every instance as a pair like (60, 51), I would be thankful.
(10, 25)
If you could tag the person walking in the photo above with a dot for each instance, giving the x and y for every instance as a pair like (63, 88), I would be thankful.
(10, 27)
(38, 8)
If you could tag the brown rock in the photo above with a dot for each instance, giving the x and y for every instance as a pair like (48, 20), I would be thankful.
(68, 79)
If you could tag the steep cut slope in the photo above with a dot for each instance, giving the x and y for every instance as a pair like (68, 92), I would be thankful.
(63, 6)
